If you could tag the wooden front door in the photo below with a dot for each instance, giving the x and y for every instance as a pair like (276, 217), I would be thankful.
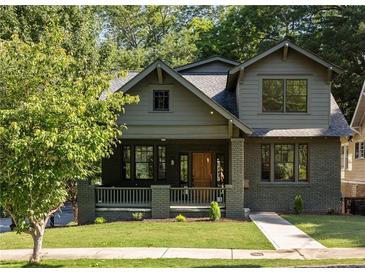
(202, 169)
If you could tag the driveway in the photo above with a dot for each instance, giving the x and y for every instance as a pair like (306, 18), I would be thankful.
(281, 233)
(62, 217)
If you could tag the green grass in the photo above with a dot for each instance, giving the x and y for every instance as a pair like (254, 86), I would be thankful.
(200, 234)
(185, 263)
(332, 230)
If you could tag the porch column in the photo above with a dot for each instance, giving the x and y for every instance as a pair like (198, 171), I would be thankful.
(85, 202)
(235, 190)
(160, 201)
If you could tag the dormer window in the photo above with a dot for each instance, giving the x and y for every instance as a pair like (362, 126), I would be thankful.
(161, 100)
(280, 95)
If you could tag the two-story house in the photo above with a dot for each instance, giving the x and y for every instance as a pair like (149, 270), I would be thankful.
(247, 135)
(353, 161)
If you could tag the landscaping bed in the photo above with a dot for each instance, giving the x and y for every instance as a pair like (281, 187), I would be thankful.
(332, 230)
(198, 233)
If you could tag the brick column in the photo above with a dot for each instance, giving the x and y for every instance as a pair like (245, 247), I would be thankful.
(160, 201)
(235, 191)
(86, 202)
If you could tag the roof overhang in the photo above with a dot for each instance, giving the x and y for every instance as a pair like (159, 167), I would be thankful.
(206, 61)
(158, 64)
(359, 114)
(286, 44)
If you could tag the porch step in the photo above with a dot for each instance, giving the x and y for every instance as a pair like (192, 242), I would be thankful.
(122, 209)
(191, 208)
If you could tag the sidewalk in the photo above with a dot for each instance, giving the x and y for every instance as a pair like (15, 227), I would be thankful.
(281, 233)
(191, 253)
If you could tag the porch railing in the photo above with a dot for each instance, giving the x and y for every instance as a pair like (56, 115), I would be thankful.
(197, 196)
(123, 196)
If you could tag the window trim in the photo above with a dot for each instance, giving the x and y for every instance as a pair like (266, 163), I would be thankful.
(130, 162)
(296, 182)
(135, 163)
(307, 77)
(285, 98)
(153, 100)
(357, 151)
(158, 162)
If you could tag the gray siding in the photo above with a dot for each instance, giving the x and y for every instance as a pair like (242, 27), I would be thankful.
(188, 117)
(215, 66)
(296, 66)
(321, 193)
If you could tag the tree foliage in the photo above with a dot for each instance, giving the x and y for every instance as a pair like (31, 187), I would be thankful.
(53, 127)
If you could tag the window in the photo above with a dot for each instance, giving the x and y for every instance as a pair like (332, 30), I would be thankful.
(265, 162)
(126, 163)
(272, 95)
(161, 162)
(220, 169)
(303, 162)
(296, 95)
(184, 168)
(284, 162)
(360, 150)
(344, 157)
(161, 100)
(144, 162)
(284, 96)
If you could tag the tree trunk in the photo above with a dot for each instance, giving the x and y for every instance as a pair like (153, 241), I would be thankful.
(75, 211)
(37, 245)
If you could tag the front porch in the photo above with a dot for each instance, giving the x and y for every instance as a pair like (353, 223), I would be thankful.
(185, 178)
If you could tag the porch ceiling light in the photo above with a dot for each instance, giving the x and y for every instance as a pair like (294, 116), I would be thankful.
(211, 113)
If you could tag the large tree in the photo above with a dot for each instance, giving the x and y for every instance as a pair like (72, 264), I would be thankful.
(53, 127)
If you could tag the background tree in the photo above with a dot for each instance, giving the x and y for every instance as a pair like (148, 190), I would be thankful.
(53, 127)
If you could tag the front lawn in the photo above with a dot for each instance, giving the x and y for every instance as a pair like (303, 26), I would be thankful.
(187, 263)
(200, 234)
(332, 230)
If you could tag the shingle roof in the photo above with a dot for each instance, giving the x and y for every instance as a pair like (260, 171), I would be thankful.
(338, 127)
(214, 86)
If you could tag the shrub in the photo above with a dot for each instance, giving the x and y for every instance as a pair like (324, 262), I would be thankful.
(298, 204)
(72, 223)
(214, 211)
(138, 216)
(100, 220)
(331, 211)
(180, 218)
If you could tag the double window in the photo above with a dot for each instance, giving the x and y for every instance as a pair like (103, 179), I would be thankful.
(161, 100)
(289, 162)
(144, 162)
(360, 150)
(279, 95)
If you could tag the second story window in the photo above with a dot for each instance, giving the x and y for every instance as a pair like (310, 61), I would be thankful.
(360, 150)
(280, 95)
(161, 100)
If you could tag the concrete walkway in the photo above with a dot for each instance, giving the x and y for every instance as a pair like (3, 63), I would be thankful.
(281, 233)
(192, 253)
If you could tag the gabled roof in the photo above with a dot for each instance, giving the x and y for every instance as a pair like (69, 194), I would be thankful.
(206, 61)
(190, 86)
(286, 43)
(359, 114)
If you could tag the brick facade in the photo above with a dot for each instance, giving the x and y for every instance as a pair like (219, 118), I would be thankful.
(160, 201)
(86, 202)
(235, 191)
(322, 192)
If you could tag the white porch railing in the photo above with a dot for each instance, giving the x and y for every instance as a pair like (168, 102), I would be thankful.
(197, 196)
(123, 196)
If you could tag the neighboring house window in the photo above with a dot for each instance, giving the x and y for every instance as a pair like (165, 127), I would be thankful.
(360, 150)
(344, 157)
(296, 95)
(184, 168)
(161, 100)
(220, 169)
(126, 163)
(144, 162)
(161, 150)
(303, 162)
(265, 162)
(284, 96)
(273, 95)
(284, 162)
